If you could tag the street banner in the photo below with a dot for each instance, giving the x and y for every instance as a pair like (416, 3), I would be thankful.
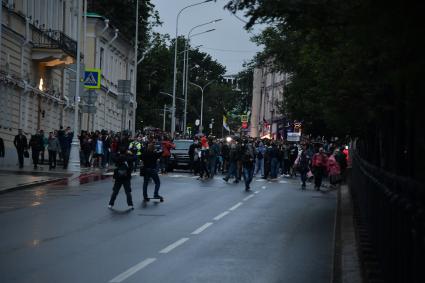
(225, 125)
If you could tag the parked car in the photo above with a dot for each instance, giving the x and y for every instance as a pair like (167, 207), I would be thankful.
(180, 155)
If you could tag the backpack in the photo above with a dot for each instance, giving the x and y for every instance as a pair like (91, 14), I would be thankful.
(121, 171)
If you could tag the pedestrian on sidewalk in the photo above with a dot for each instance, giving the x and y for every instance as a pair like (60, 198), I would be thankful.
(122, 177)
(149, 170)
(36, 144)
(21, 146)
(53, 147)
(319, 163)
(334, 170)
(43, 148)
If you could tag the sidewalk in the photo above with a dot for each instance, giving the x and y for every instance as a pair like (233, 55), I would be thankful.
(13, 178)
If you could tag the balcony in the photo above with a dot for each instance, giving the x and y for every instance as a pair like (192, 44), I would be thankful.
(53, 47)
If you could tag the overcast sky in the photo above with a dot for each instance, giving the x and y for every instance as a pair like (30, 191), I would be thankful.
(229, 44)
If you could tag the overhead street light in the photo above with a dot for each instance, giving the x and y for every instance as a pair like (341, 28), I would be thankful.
(186, 64)
(202, 88)
(173, 120)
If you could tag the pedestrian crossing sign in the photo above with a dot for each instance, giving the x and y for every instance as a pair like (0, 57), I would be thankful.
(92, 78)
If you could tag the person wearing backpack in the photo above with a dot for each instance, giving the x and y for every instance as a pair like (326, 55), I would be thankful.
(122, 177)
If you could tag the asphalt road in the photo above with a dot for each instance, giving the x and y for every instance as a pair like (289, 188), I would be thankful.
(206, 231)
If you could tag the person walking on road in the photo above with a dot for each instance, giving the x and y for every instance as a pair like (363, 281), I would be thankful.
(259, 162)
(53, 147)
(122, 177)
(303, 165)
(21, 146)
(149, 170)
(319, 163)
(166, 154)
(247, 158)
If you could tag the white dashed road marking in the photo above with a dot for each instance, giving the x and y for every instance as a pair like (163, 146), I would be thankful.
(283, 182)
(256, 192)
(248, 197)
(235, 206)
(173, 246)
(202, 228)
(264, 187)
(132, 270)
(221, 215)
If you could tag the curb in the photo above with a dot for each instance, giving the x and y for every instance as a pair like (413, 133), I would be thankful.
(33, 184)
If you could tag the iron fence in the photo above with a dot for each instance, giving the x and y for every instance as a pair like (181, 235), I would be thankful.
(391, 209)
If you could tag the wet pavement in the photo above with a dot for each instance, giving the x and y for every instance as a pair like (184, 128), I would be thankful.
(205, 231)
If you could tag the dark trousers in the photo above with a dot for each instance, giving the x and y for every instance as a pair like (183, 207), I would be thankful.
(303, 177)
(52, 159)
(318, 176)
(35, 157)
(247, 175)
(151, 173)
(204, 168)
(21, 157)
(116, 189)
(65, 157)
(42, 155)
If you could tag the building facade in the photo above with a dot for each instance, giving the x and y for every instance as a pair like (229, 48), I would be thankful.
(38, 49)
(106, 50)
(268, 94)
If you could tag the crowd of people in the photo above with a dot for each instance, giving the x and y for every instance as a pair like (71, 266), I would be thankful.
(234, 157)
(245, 158)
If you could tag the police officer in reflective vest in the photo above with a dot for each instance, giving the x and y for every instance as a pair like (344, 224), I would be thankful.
(136, 149)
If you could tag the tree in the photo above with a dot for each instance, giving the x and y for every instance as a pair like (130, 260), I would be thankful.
(355, 69)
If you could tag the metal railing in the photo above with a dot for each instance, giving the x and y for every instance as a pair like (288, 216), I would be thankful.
(54, 39)
(391, 210)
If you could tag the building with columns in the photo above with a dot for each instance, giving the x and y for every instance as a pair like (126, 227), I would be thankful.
(38, 47)
(268, 94)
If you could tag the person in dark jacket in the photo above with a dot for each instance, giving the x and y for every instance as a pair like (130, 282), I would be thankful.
(122, 177)
(36, 144)
(149, 170)
(303, 165)
(21, 145)
(248, 159)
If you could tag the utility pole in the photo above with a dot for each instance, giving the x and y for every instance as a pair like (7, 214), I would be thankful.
(74, 160)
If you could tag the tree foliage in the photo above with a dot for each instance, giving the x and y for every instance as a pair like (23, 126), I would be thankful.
(355, 69)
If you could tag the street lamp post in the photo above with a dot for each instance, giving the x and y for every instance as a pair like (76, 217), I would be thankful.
(186, 65)
(173, 113)
(202, 100)
(74, 159)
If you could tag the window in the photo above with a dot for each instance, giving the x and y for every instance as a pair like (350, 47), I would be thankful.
(102, 51)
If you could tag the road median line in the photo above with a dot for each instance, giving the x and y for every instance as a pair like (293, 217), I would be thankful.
(202, 228)
(132, 270)
(173, 246)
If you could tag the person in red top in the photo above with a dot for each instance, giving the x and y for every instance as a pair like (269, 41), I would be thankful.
(166, 153)
(319, 162)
